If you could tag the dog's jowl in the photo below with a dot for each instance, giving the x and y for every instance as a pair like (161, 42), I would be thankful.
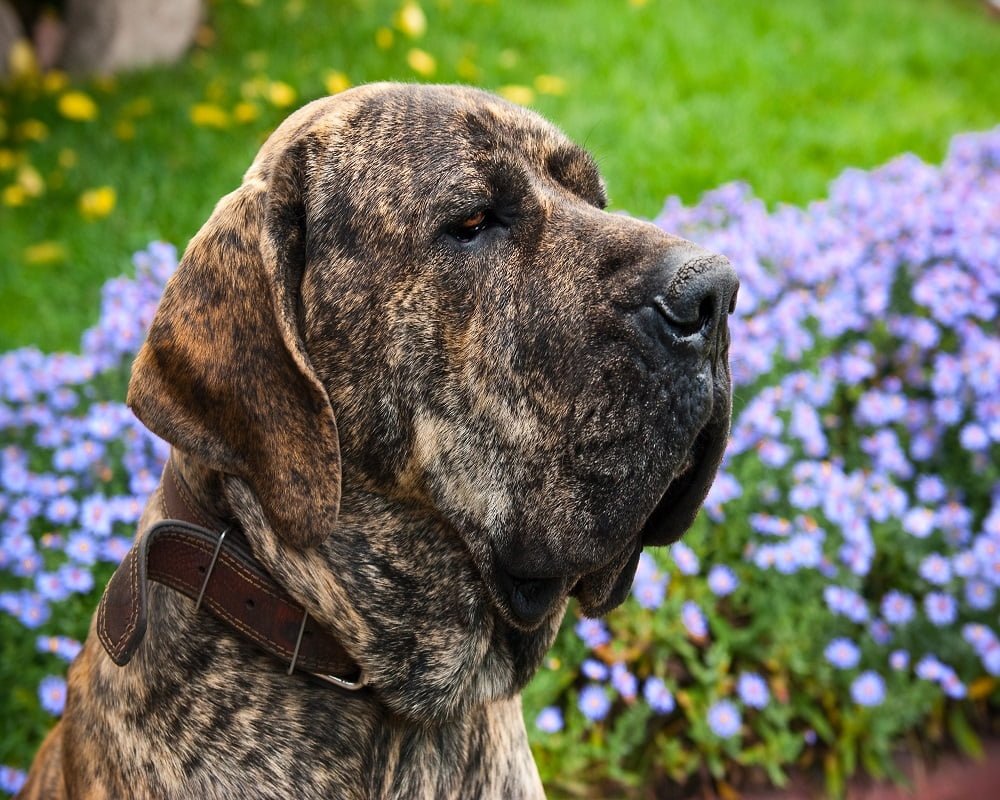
(421, 389)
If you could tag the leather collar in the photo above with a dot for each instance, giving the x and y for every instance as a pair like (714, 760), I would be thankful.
(191, 553)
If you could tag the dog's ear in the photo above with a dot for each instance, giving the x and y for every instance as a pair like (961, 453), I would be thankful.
(224, 374)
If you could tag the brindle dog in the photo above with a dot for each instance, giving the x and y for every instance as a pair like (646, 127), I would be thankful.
(441, 390)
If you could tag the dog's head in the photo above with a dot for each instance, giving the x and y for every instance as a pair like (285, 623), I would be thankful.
(417, 300)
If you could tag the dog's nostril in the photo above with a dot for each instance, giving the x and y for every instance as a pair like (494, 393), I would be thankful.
(685, 328)
(697, 295)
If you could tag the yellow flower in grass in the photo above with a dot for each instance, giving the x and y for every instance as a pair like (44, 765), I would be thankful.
(421, 62)
(383, 38)
(14, 195)
(209, 115)
(281, 94)
(411, 20)
(77, 106)
(254, 88)
(30, 181)
(336, 82)
(8, 159)
(21, 59)
(550, 84)
(45, 253)
(33, 130)
(97, 203)
(245, 112)
(522, 95)
(508, 58)
(467, 69)
(67, 158)
(125, 130)
(55, 81)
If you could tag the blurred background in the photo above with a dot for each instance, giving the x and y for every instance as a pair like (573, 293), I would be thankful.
(101, 153)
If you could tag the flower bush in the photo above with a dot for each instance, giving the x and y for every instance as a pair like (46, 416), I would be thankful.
(838, 593)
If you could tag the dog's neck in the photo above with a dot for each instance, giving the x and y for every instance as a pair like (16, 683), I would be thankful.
(456, 655)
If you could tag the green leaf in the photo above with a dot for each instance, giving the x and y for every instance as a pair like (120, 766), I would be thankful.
(966, 739)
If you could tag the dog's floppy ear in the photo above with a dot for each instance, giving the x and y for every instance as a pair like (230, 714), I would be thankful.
(224, 374)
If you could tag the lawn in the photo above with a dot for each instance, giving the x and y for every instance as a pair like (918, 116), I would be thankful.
(672, 97)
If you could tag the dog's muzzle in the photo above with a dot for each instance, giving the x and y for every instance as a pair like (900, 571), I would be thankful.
(681, 322)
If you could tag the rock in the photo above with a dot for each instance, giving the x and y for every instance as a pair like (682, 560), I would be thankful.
(110, 35)
(10, 33)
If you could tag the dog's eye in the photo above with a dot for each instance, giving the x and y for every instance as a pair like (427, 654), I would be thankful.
(472, 226)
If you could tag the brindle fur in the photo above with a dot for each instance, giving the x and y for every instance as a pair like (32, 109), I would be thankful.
(497, 403)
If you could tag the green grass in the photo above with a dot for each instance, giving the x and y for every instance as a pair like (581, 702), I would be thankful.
(673, 97)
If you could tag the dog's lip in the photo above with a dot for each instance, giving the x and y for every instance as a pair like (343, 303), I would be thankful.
(530, 598)
(604, 589)
(677, 508)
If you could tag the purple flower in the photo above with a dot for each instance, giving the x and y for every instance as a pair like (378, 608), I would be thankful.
(724, 719)
(974, 437)
(95, 516)
(62, 510)
(722, 581)
(114, 548)
(753, 691)
(623, 681)
(594, 669)
(935, 569)
(12, 780)
(929, 668)
(51, 586)
(592, 632)
(62, 646)
(593, 702)
(953, 686)
(847, 603)
(76, 579)
(978, 635)
(694, 620)
(919, 522)
(52, 694)
(899, 660)
(897, 608)
(868, 689)
(880, 632)
(82, 548)
(649, 593)
(28, 607)
(965, 564)
(940, 608)
(979, 595)
(549, 720)
(842, 653)
(773, 454)
(684, 557)
(930, 489)
(658, 695)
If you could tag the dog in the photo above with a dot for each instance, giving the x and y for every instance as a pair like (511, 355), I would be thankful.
(434, 389)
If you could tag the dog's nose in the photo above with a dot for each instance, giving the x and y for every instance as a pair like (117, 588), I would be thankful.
(700, 290)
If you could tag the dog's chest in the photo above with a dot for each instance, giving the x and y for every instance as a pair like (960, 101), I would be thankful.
(222, 722)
